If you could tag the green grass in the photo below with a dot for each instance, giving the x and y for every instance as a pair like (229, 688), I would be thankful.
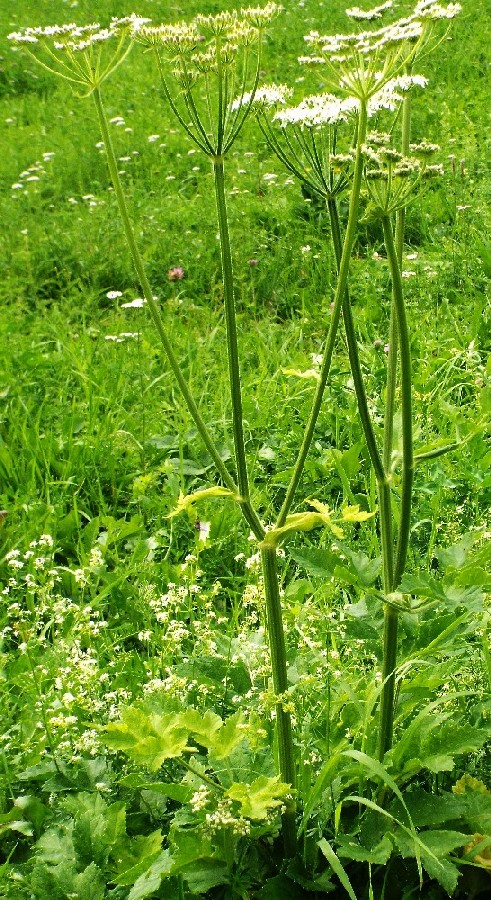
(129, 606)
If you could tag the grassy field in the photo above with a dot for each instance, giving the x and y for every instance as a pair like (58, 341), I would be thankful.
(113, 607)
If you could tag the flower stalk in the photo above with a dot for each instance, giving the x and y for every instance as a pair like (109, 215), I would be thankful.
(152, 304)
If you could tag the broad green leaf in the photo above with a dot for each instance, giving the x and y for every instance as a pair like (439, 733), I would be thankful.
(351, 849)
(280, 888)
(202, 727)
(148, 883)
(337, 867)
(434, 809)
(90, 884)
(179, 792)
(54, 846)
(206, 874)
(320, 563)
(186, 501)
(258, 798)
(136, 855)
(148, 739)
(442, 870)
(441, 841)
(211, 732)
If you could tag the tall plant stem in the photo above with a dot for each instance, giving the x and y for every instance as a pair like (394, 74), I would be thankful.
(342, 281)
(405, 148)
(353, 354)
(406, 405)
(276, 636)
(155, 312)
(232, 350)
(391, 614)
(393, 331)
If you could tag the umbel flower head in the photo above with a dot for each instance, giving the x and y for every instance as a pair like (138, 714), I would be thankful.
(305, 137)
(361, 63)
(210, 70)
(81, 54)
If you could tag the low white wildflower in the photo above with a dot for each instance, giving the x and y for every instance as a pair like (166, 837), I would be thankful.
(137, 303)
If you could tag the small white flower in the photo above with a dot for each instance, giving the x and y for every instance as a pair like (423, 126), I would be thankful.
(113, 295)
(137, 303)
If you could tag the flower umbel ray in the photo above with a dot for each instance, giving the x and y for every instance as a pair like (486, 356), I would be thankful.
(81, 54)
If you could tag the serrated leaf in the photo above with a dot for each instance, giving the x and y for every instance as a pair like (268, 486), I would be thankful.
(377, 855)
(433, 809)
(135, 856)
(150, 881)
(258, 798)
(320, 563)
(147, 739)
(90, 884)
(443, 841)
(186, 501)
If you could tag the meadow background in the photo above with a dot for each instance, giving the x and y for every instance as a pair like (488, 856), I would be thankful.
(96, 445)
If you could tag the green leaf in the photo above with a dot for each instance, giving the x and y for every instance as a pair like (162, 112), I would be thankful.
(150, 881)
(258, 798)
(433, 809)
(135, 856)
(377, 855)
(337, 867)
(320, 563)
(148, 739)
(441, 842)
(185, 502)
(281, 888)
(442, 870)
(90, 884)
(179, 792)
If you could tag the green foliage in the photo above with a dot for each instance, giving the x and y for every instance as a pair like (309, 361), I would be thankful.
(144, 635)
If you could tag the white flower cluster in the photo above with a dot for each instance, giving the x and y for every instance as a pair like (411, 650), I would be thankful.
(78, 37)
(316, 111)
(266, 96)
(376, 13)
(391, 94)
(340, 47)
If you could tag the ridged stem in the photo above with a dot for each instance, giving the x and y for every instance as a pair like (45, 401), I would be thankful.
(276, 636)
(391, 614)
(152, 305)
(232, 349)
(342, 281)
(406, 406)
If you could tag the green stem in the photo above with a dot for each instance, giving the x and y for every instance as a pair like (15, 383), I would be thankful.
(342, 281)
(276, 636)
(154, 309)
(392, 579)
(353, 354)
(406, 405)
(405, 149)
(232, 349)
(391, 625)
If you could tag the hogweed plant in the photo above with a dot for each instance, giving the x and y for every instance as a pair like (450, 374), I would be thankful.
(209, 71)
